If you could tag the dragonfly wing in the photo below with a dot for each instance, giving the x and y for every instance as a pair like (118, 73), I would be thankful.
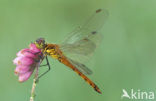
(83, 49)
(92, 25)
(81, 43)
(81, 67)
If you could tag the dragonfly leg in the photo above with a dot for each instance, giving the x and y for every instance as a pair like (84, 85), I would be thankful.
(43, 65)
(45, 71)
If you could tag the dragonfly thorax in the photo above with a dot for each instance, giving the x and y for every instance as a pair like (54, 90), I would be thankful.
(52, 50)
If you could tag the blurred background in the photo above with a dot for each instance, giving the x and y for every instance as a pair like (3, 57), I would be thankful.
(125, 59)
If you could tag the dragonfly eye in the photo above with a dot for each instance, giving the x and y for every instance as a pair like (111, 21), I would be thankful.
(40, 43)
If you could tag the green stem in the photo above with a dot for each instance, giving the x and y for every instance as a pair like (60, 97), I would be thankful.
(34, 86)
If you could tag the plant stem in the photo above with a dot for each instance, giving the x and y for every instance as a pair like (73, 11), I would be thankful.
(34, 86)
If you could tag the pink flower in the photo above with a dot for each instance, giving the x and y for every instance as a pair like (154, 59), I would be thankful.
(26, 61)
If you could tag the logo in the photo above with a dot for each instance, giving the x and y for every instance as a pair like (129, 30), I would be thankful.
(137, 94)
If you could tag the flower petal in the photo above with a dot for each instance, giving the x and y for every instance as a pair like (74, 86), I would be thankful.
(16, 60)
(26, 53)
(26, 61)
(34, 48)
(20, 53)
(23, 61)
(21, 69)
(25, 76)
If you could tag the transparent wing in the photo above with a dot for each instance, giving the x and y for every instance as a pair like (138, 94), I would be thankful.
(83, 49)
(81, 43)
(92, 25)
(81, 67)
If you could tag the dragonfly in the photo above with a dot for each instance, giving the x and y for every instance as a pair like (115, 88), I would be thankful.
(78, 47)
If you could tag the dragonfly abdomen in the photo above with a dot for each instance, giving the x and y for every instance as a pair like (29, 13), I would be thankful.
(54, 51)
(67, 63)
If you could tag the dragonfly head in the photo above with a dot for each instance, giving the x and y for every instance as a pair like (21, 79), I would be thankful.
(40, 43)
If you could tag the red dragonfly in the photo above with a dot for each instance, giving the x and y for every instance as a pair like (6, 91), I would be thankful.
(77, 47)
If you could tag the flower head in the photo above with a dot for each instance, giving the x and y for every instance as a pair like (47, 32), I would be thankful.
(26, 61)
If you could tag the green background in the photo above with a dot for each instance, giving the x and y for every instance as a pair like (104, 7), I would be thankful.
(126, 59)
